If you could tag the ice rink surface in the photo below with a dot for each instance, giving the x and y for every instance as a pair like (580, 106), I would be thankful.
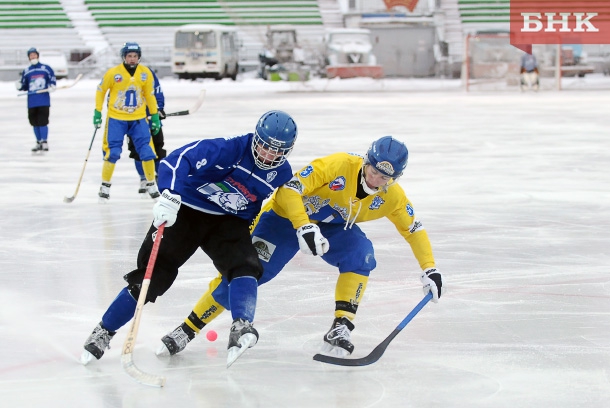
(513, 189)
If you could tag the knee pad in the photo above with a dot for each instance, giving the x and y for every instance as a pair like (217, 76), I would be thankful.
(251, 267)
(159, 283)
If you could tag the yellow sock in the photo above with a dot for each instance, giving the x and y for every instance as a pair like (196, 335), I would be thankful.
(149, 169)
(348, 293)
(206, 309)
(107, 171)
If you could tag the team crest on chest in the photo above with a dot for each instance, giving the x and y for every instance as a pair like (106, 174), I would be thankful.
(271, 175)
(337, 184)
(143, 76)
(118, 78)
(376, 203)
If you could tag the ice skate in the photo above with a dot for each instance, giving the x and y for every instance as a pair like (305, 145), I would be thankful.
(241, 337)
(142, 190)
(37, 149)
(176, 341)
(153, 191)
(45, 146)
(337, 342)
(98, 341)
(104, 193)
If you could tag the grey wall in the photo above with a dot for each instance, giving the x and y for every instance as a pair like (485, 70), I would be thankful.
(404, 51)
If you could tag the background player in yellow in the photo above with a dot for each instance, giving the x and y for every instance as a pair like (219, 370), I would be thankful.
(324, 202)
(131, 89)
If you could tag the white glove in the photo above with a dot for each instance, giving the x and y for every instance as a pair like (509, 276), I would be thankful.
(433, 282)
(18, 85)
(311, 240)
(52, 88)
(166, 209)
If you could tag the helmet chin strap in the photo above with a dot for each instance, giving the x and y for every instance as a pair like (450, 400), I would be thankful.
(365, 186)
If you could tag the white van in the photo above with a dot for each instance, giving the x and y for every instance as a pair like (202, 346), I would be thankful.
(56, 60)
(205, 51)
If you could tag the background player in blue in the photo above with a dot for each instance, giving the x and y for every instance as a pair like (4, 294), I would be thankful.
(158, 139)
(38, 79)
(212, 191)
(323, 203)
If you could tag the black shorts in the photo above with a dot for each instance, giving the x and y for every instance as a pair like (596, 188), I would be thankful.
(158, 143)
(39, 116)
(224, 238)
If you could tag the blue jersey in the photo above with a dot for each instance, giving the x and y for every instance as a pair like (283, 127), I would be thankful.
(220, 176)
(158, 92)
(35, 78)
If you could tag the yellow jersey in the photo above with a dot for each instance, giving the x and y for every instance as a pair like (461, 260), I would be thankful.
(129, 95)
(325, 192)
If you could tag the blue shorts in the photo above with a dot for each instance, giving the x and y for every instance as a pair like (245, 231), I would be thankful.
(137, 130)
(276, 243)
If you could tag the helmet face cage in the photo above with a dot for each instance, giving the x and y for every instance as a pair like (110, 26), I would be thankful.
(273, 140)
(279, 153)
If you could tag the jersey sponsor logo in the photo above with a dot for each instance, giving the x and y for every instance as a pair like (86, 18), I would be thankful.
(376, 203)
(295, 184)
(143, 76)
(201, 163)
(243, 189)
(313, 204)
(410, 210)
(265, 249)
(306, 171)
(221, 195)
(342, 211)
(416, 226)
(337, 184)
(271, 176)
(118, 78)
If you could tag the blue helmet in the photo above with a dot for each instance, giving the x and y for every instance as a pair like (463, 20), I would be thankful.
(131, 47)
(388, 155)
(31, 50)
(276, 133)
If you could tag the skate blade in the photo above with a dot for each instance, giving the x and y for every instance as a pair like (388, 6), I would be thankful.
(334, 351)
(246, 341)
(102, 200)
(162, 351)
(86, 357)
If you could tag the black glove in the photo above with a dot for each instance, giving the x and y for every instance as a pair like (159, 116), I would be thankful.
(162, 114)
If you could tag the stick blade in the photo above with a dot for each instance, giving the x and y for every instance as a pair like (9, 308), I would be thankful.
(348, 362)
(139, 375)
(69, 199)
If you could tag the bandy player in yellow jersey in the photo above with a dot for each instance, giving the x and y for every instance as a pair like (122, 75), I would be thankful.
(324, 202)
(131, 89)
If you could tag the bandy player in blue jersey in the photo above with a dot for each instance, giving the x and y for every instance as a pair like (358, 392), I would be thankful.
(39, 80)
(212, 190)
